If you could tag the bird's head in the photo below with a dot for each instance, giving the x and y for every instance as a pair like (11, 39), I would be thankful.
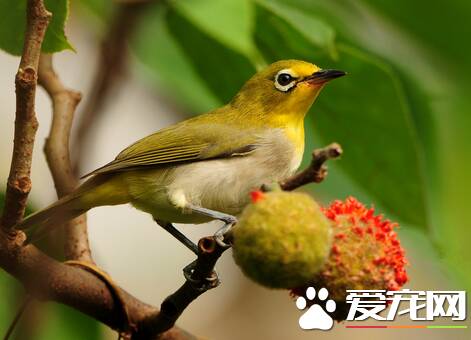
(286, 87)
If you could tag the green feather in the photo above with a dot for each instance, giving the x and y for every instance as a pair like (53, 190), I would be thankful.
(230, 131)
(209, 136)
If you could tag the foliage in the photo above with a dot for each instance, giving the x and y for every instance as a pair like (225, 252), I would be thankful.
(398, 114)
(374, 145)
(402, 114)
(13, 26)
(368, 112)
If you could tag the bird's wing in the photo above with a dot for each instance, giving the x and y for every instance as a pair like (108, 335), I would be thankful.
(184, 142)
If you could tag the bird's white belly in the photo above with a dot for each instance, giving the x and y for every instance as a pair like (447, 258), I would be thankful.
(222, 185)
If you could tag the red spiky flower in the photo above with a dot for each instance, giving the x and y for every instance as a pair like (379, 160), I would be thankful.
(366, 253)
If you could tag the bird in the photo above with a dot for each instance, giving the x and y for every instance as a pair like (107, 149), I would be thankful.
(205, 167)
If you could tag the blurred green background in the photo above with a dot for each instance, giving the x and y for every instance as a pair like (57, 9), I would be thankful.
(403, 114)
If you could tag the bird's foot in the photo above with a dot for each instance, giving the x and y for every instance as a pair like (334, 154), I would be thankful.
(200, 284)
(223, 235)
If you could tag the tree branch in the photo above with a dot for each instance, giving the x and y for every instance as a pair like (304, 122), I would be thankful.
(48, 279)
(201, 279)
(64, 102)
(78, 288)
(113, 61)
(316, 171)
(93, 296)
(209, 250)
(39, 273)
(26, 124)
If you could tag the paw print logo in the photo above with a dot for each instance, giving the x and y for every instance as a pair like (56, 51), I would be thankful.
(316, 317)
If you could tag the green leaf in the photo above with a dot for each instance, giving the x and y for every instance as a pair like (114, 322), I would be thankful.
(223, 69)
(14, 23)
(313, 29)
(64, 322)
(102, 9)
(166, 64)
(228, 21)
(56, 321)
(55, 39)
(374, 125)
(8, 300)
(441, 28)
(433, 64)
(367, 113)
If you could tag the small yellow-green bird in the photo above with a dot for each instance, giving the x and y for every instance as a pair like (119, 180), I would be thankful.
(204, 168)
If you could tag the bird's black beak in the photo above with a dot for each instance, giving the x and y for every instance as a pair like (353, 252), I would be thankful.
(323, 76)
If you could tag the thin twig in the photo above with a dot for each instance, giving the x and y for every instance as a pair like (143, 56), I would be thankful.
(209, 250)
(26, 124)
(44, 276)
(57, 153)
(111, 68)
(19, 313)
(51, 280)
(202, 279)
(64, 102)
(316, 171)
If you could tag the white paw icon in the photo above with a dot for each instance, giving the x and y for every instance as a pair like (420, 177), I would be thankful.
(316, 317)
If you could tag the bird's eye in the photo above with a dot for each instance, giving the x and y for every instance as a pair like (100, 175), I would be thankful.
(285, 80)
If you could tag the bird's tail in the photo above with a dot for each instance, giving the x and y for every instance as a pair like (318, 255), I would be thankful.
(97, 191)
(65, 209)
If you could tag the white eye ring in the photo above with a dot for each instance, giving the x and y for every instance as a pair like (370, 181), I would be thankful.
(285, 87)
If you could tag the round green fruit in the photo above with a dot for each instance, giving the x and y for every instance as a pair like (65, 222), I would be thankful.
(282, 239)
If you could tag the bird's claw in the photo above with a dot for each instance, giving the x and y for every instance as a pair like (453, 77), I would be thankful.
(201, 284)
(220, 235)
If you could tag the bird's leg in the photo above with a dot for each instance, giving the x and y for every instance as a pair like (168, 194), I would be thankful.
(211, 281)
(229, 221)
(178, 235)
(204, 284)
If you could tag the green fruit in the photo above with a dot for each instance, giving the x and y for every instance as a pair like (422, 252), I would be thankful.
(282, 239)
